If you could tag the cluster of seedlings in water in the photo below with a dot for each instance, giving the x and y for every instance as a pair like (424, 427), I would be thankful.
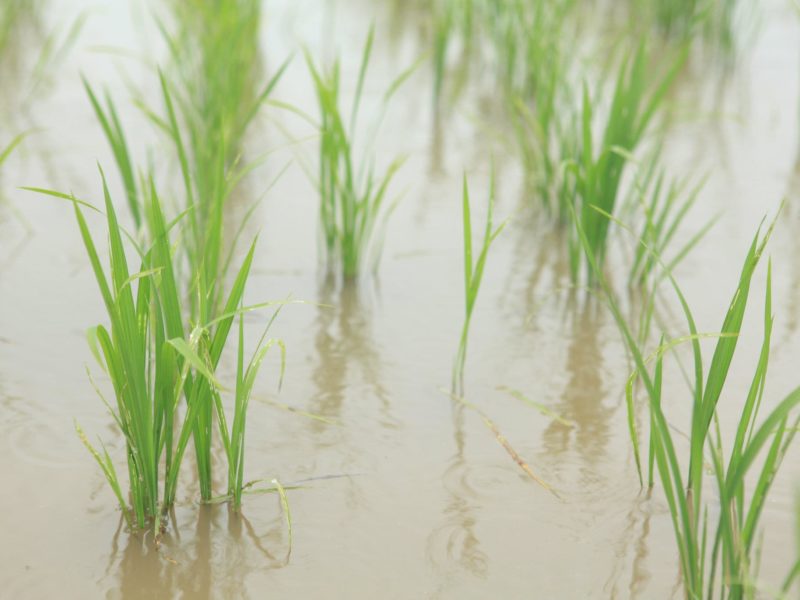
(580, 180)
(171, 319)
(715, 559)
(353, 198)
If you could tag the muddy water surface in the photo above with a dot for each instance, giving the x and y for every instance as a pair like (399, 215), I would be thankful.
(402, 494)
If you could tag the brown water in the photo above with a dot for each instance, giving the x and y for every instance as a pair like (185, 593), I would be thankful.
(409, 496)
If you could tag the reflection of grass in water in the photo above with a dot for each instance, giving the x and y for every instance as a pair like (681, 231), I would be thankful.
(14, 16)
(459, 521)
(212, 558)
(582, 400)
(344, 342)
(721, 558)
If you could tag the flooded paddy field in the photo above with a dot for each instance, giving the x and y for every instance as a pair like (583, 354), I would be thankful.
(395, 488)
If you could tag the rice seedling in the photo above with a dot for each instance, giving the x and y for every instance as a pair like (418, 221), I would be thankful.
(208, 181)
(115, 135)
(353, 197)
(29, 51)
(527, 44)
(452, 21)
(6, 152)
(215, 64)
(677, 19)
(713, 21)
(716, 559)
(664, 204)
(210, 101)
(596, 174)
(233, 439)
(659, 207)
(473, 274)
(153, 363)
(520, 42)
(545, 143)
(141, 357)
(794, 572)
(539, 93)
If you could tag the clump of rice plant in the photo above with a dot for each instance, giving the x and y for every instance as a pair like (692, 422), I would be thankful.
(595, 174)
(539, 93)
(451, 20)
(208, 181)
(210, 98)
(153, 363)
(473, 274)
(527, 45)
(657, 206)
(215, 67)
(518, 41)
(150, 362)
(715, 540)
(353, 197)
(22, 28)
(545, 142)
(713, 21)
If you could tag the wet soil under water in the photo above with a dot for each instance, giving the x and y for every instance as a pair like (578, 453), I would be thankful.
(404, 495)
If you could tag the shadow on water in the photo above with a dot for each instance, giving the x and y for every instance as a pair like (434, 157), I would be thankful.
(212, 561)
(345, 350)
